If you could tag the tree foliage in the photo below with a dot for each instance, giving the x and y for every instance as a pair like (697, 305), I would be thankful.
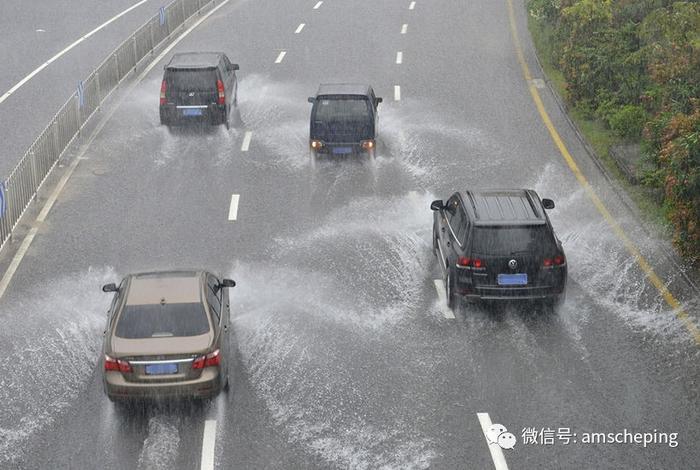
(635, 64)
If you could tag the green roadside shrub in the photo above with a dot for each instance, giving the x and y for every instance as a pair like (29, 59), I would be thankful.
(628, 121)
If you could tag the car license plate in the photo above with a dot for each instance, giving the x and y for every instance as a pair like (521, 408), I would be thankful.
(512, 279)
(192, 112)
(342, 150)
(161, 369)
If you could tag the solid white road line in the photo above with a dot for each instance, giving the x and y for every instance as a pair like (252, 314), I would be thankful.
(299, 28)
(7, 277)
(208, 445)
(246, 141)
(404, 28)
(499, 461)
(57, 56)
(411, 5)
(440, 288)
(280, 57)
(233, 208)
(397, 93)
(399, 57)
(318, 5)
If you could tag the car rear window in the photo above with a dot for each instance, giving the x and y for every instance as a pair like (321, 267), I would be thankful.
(505, 240)
(150, 321)
(192, 79)
(342, 108)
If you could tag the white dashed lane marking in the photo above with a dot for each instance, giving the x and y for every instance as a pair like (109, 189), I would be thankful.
(246, 141)
(318, 5)
(411, 5)
(280, 57)
(233, 209)
(399, 57)
(397, 93)
(440, 288)
(208, 445)
(499, 461)
(299, 28)
(404, 28)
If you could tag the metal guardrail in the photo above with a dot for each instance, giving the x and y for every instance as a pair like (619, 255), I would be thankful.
(21, 187)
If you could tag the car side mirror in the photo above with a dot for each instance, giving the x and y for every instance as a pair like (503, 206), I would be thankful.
(111, 287)
(378, 100)
(311, 99)
(234, 67)
(227, 283)
(436, 205)
(547, 203)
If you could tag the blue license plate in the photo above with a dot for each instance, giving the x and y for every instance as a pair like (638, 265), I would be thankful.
(192, 112)
(161, 369)
(512, 279)
(342, 150)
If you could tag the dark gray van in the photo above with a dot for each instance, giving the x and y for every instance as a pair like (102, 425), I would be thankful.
(343, 119)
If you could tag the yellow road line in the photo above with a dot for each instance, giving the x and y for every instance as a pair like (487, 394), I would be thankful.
(617, 229)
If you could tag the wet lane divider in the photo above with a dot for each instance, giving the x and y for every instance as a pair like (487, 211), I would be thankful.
(318, 5)
(61, 53)
(411, 5)
(246, 141)
(404, 28)
(208, 445)
(233, 207)
(442, 297)
(629, 245)
(299, 28)
(499, 460)
(17, 259)
(280, 57)
(397, 93)
(399, 57)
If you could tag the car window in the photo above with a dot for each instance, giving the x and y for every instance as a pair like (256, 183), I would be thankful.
(342, 108)
(510, 240)
(162, 320)
(191, 79)
(214, 295)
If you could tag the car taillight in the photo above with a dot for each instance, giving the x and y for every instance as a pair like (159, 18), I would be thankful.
(463, 261)
(558, 260)
(316, 144)
(117, 365)
(477, 263)
(210, 360)
(222, 94)
(367, 144)
(163, 89)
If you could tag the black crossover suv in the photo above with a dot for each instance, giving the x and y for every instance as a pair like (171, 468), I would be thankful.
(198, 87)
(343, 119)
(498, 244)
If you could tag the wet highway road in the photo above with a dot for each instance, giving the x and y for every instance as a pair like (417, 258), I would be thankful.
(346, 357)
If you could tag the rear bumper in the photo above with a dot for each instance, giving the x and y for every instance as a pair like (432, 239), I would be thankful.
(172, 115)
(209, 384)
(341, 149)
(510, 293)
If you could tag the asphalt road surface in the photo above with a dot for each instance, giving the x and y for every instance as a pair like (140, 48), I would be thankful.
(346, 357)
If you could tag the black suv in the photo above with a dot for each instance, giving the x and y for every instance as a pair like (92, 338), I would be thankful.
(498, 244)
(198, 87)
(343, 119)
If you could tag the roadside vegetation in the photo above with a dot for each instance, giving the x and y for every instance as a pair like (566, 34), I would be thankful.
(630, 72)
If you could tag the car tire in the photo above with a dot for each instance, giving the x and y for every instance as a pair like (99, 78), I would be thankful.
(450, 291)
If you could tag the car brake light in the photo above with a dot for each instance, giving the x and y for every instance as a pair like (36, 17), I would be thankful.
(220, 89)
(547, 262)
(477, 263)
(463, 261)
(559, 260)
(367, 144)
(117, 365)
(210, 360)
(163, 89)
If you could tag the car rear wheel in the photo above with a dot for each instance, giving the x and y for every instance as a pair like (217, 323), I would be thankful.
(449, 291)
